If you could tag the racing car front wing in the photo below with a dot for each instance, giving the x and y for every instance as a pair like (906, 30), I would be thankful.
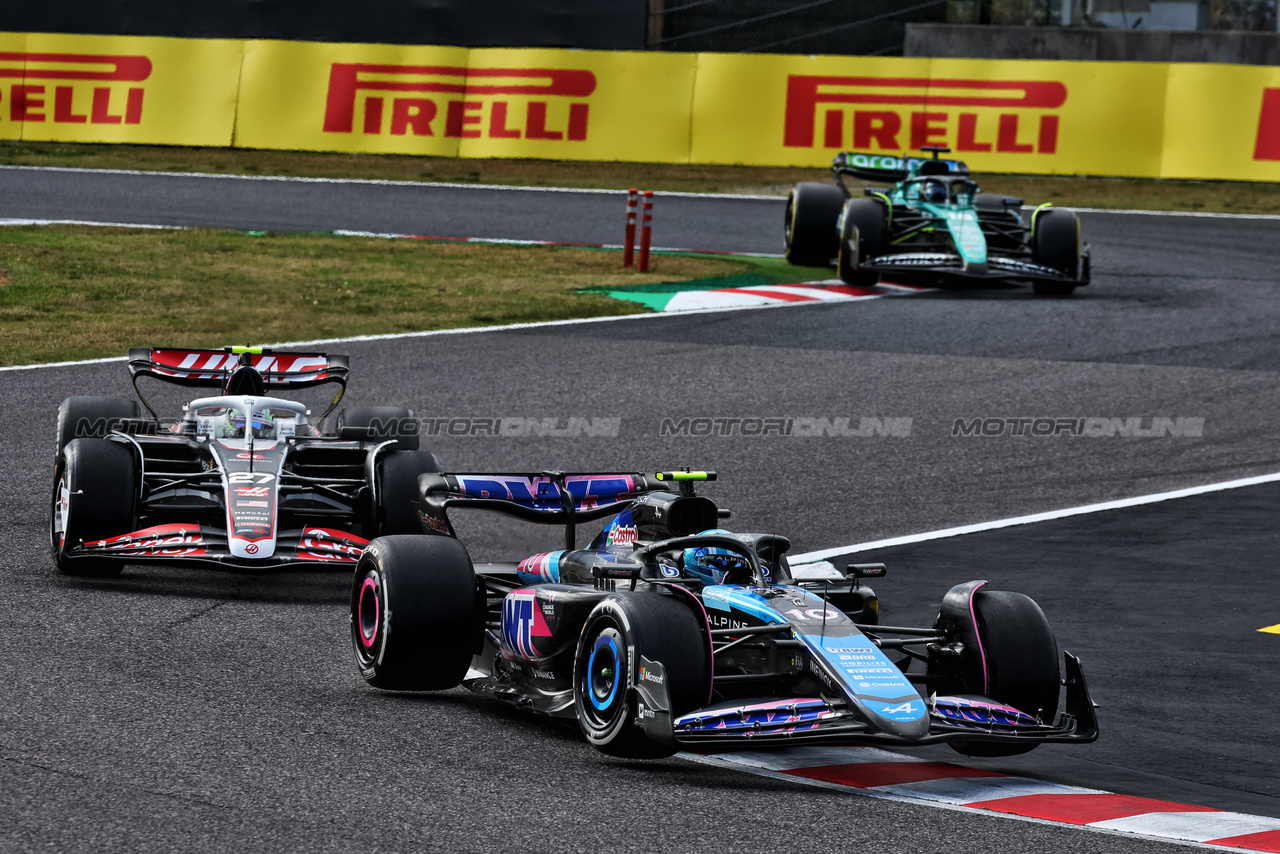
(948, 265)
(806, 720)
(194, 544)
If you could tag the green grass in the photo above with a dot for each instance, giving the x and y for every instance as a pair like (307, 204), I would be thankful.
(71, 292)
(1144, 194)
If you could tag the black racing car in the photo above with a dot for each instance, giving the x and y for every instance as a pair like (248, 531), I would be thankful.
(668, 632)
(242, 479)
(933, 227)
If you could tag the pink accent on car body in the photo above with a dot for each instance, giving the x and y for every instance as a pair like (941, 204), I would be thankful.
(377, 612)
(982, 653)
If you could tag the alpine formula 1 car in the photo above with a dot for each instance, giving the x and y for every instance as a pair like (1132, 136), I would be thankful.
(933, 227)
(669, 632)
(242, 479)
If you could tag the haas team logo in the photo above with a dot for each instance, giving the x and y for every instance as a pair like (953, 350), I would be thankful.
(937, 112)
(468, 103)
(74, 88)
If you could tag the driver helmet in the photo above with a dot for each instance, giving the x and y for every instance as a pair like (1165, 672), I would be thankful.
(264, 426)
(934, 192)
(714, 565)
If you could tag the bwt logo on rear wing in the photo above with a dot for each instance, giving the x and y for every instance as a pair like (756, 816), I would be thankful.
(466, 103)
(82, 99)
(589, 491)
(857, 106)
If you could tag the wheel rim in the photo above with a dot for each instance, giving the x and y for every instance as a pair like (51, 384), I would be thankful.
(367, 619)
(61, 513)
(602, 677)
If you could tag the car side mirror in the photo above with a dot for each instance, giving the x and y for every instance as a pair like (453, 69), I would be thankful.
(866, 570)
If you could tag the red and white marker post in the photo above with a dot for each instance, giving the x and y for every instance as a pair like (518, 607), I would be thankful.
(629, 245)
(646, 231)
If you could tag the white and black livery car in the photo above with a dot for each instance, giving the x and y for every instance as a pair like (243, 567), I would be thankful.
(240, 479)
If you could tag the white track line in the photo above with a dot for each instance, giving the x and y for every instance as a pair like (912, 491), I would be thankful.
(466, 330)
(15, 222)
(1137, 501)
(586, 190)
(379, 182)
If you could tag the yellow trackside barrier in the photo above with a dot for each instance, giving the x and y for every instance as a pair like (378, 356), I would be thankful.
(1040, 117)
(1222, 121)
(1064, 118)
(389, 99)
(118, 89)
(557, 104)
(599, 105)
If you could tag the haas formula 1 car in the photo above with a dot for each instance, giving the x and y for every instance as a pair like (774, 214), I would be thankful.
(668, 632)
(241, 480)
(933, 227)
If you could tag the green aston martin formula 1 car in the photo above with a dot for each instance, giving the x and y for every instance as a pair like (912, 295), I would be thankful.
(933, 227)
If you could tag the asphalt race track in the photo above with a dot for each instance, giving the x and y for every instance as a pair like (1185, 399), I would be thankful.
(178, 709)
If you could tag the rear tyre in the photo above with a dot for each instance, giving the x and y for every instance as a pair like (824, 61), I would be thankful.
(91, 417)
(397, 502)
(810, 228)
(415, 619)
(378, 424)
(1021, 657)
(94, 497)
(1055, 243)
(860, 236)
(658, 626)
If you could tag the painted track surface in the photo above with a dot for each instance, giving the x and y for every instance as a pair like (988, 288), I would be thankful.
(197, 710)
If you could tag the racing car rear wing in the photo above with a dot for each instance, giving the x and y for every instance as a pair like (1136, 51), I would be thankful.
(548, 498)
(210, 368)
(886, 167)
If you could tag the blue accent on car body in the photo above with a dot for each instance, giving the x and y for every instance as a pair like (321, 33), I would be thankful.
(864, 668)
(591, 663)
(726, 597)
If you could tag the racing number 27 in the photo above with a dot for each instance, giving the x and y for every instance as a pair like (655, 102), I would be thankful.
(250, 477)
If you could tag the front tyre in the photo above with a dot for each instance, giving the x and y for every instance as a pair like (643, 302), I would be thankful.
(810, 225)
(396, 510)
(379, 424)
(92, 417)
(1055, 243)
(1020, 663)
(861, 232)
(415, 615)
(94, 496)
(658, 626)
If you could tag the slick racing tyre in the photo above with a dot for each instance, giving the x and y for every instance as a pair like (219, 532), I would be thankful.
(660, 627)
(812, 211)
(94, 495)
(91, 417)
(397, 491)
(378, 424)
(861, 233)
(1055, 243)
(1021, 662)
(415, 614)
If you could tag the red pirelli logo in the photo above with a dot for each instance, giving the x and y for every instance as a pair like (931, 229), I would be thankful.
(476, 101)
(846, 107)
(79, 100)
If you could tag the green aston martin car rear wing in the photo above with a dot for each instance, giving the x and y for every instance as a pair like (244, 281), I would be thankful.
(887, 167)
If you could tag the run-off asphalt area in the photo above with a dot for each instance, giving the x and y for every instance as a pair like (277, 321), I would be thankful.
(202, 711)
